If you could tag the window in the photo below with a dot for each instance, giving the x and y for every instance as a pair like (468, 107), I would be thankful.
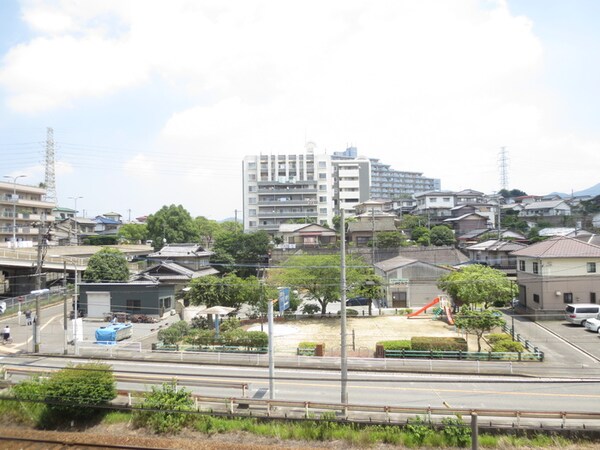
(133, 306)
(251, 165)
(433, 200)
(536, 298)
(592, 297)
(568, 297)
(251, 200)
(252, 212)
(322, 199)
(591, 267)
(252, 188)
(522, 266)
(322, 164)
(322, 176)
(322, 210)
(322, 187)
(535, 268)
(252, 223)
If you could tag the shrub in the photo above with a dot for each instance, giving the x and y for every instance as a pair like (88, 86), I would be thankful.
(308, 345)
(507, 346)
(200, 322)
(175, 333)
(349, 312)
(310, 308)
(403, 344)
(200, 337)
(425, 343)
(162, 409)
(257, 338)
(30, 407)
(497, 337)
(230, 324)
(456, 433)
(72, 393)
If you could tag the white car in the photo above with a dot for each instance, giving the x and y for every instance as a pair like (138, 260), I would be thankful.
(592, 325)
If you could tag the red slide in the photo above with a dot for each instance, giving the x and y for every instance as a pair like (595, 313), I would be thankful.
(449, 315)
(428, 305)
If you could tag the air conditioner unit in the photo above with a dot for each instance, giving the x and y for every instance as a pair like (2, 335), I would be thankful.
(558, 293)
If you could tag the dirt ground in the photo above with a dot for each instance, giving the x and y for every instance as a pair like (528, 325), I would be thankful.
(363, 332)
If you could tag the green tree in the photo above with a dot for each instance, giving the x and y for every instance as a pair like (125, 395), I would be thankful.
(207, 230)
(441, 235)
(410, 222)
(133, 233)
(390, 239)
(107, 265)
(421, 235)
(171, 224)
(230, 291)
(371, 287)
(477, 322)
(478, 284)
(319, 276)
(242, 253)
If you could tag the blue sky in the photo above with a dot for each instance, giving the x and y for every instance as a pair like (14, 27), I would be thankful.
(156, 102)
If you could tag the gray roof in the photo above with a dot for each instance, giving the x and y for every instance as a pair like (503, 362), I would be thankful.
(495, 245)
(434, 255)
(180, 250)
(546, 204)
(394, 263)
(354, 227)
(560, 247)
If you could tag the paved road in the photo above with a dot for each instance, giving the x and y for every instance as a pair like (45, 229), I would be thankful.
(404, 390)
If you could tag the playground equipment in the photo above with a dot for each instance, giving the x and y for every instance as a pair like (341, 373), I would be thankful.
(444, 307)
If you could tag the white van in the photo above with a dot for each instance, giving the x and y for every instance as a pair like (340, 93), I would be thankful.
(578, 313)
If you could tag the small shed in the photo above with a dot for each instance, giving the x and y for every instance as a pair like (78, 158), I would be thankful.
(151, 298)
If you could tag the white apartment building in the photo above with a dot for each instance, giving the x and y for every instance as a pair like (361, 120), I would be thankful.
(27, 202)
(279, 188)
(352, 179)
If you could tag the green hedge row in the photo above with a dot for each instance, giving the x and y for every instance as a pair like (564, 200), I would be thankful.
(427, 343)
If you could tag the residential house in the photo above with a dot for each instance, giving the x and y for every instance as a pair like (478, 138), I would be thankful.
(467, 223)
(72, 230)
(293, 235)
(495, 253)
(556, 272)
(368, 225)
(178, 264)
(549, 208)
(106, 225)
(409, 283)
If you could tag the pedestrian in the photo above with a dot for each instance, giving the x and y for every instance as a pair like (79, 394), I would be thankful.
(114, 320)
(6, 333)
(28, 317)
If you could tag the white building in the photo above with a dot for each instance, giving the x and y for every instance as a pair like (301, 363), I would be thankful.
(352, 179)
(279, 188)
(30, 210)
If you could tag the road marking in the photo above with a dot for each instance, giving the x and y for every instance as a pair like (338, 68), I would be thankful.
(30, 338)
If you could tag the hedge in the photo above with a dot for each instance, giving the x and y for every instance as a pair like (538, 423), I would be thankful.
(497, 337)
(506, 346)
(403, 344)
(426, 343)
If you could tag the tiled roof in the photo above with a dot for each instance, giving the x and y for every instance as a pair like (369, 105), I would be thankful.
(560, 247)
(394, 263)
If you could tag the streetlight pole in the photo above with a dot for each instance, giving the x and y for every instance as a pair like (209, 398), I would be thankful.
(343, 345)
(14, 199)
(75, 308)
(75, 220)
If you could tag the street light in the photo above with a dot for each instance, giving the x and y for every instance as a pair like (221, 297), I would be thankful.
(14, 199)
(75, 308)
(75, 219)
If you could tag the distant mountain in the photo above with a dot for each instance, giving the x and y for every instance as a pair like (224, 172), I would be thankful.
(593, 191)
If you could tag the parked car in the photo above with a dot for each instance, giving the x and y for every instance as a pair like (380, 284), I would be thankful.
(593, 324)
(357, 301)
(579, 313)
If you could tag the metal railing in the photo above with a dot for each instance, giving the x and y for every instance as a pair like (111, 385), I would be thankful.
(461, 355)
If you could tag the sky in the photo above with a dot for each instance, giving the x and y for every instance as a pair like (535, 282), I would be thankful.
(155, 103)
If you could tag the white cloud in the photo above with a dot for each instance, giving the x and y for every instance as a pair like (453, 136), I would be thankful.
(427, 85)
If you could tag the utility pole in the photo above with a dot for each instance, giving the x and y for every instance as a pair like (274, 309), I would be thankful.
(343, 352)
(65, 309)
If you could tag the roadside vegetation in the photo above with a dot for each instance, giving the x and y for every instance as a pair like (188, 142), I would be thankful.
(80, 396)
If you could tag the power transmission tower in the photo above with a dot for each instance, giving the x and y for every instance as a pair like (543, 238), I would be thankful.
(50, 180)
(503, 161)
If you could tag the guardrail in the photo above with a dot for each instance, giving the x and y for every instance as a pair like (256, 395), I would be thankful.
(184, 380)
(476, 356)
(209, 348)
(517, 337)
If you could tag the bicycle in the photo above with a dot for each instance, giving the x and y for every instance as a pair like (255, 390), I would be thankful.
(6, 341)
